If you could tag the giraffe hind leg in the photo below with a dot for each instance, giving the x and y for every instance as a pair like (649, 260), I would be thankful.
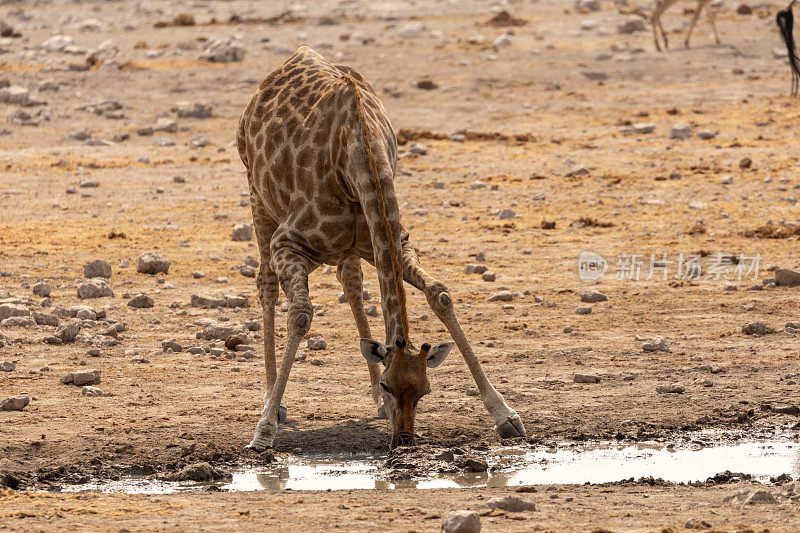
(351, 277)
(507, 422)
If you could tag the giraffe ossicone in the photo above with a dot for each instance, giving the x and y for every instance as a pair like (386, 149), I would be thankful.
(321, 155)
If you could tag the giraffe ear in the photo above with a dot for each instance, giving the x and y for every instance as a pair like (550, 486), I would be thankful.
(375, 352)
(437, 354)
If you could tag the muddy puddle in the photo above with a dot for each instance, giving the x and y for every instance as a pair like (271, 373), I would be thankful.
(510, 466)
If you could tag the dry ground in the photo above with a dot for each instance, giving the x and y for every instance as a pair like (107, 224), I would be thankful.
(180, 407)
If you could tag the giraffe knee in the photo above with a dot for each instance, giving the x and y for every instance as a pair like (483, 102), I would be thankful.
(438, 298)
(300, 317)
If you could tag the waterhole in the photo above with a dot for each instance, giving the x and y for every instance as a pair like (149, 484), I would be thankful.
(511, 466)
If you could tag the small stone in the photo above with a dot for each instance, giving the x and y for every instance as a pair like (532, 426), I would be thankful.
(475, 464)
(197, 274)
(578, 170)
(461, 522)
(223, 50)
(757, 329)
(675, 388)
(15, 403)
(644, 127)
(88, 390)
(8, 310)
(152, 263)
(411, 31)
(44, 319)
(41, 289)
(418, 149)
(696, 523)
(505, 214)
(583, 310)
(97, 269)
(171, 344)
(14, 95)
(489, 276)
(587, 5)
(787, 278)
(192, 110)
(242, 232)
(141, 301)
(593, 296)
(760, 497)
(674, 175)
(632, 24)
(656, 344)
(427, 85)
(68, 332)
(316, 343)
(585, 378)
(707, 134)
(746, 162)
(317, 362)
(371, 311)
(472, 268)
(207, 300)
(7, 366)
(681, 130)
(502, 296)
(247, 271)
(94, 288)
(82, 377)
(511, 504)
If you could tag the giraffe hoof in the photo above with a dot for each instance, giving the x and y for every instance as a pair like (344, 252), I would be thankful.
(511, 427)
(282, 413)
(259, 445)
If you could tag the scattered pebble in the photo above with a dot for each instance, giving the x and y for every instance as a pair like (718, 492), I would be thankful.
(316, 343)
(675, 388)
(586, 378)
(15, 403)
(97, 269)
(152, 263)
(656, 344)
(141, 301)
(461, 522)
(593, 296)
(82, 377)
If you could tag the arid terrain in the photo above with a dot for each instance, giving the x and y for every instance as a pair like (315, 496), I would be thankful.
(525, 140)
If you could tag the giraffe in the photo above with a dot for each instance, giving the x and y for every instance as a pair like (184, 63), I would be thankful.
(320, 155)
(662, 5)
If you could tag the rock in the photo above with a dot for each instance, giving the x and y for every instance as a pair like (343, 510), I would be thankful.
(166, 125)
(82, 312)
(695, 523)
(411, 31)
(505, 214)
(8, 310)
(141, 301)
(707, 134)
(593, 296)
(195, 110)
(242, 232)
(586, 378)
(247, 271)
(316, 343)
(207, 300)
(81, 378)
(502, 296)
(223, 50)
(632, 24)
(489, 276)
(7, 366)
(427, 85)
(656, 344)
(94, 288)
(578, 170)
(757, 328)
(88, 390)
(68, 332)
(235, 340)
(15, 403)
(371, 311)
(473, 464)
(418, 149)
(44, 319)
(503, 40)
(472, 268)
(681, 130)
(57, 43)
(217, 332)
(171, 344)
(594, 75)
(41, 289)
(97, 269)
(511, 504)
(675, 388)
(787, 278)
(14, 94)
(759, 497)
(235, 301)
(583, 310)
(644, 127)
(18, 322)
(152, 263)
(461, 522)
(587, 5)
(744, 9)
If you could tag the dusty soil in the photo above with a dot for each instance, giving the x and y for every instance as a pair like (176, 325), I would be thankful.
(531, 115)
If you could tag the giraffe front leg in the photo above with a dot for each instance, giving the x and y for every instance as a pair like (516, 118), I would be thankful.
(507, 422)
(292, 270)
(351, 277)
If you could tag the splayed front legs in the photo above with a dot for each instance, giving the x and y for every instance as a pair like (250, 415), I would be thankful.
(507, 421)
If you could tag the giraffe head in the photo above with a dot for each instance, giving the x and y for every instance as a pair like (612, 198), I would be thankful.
(404, 381)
